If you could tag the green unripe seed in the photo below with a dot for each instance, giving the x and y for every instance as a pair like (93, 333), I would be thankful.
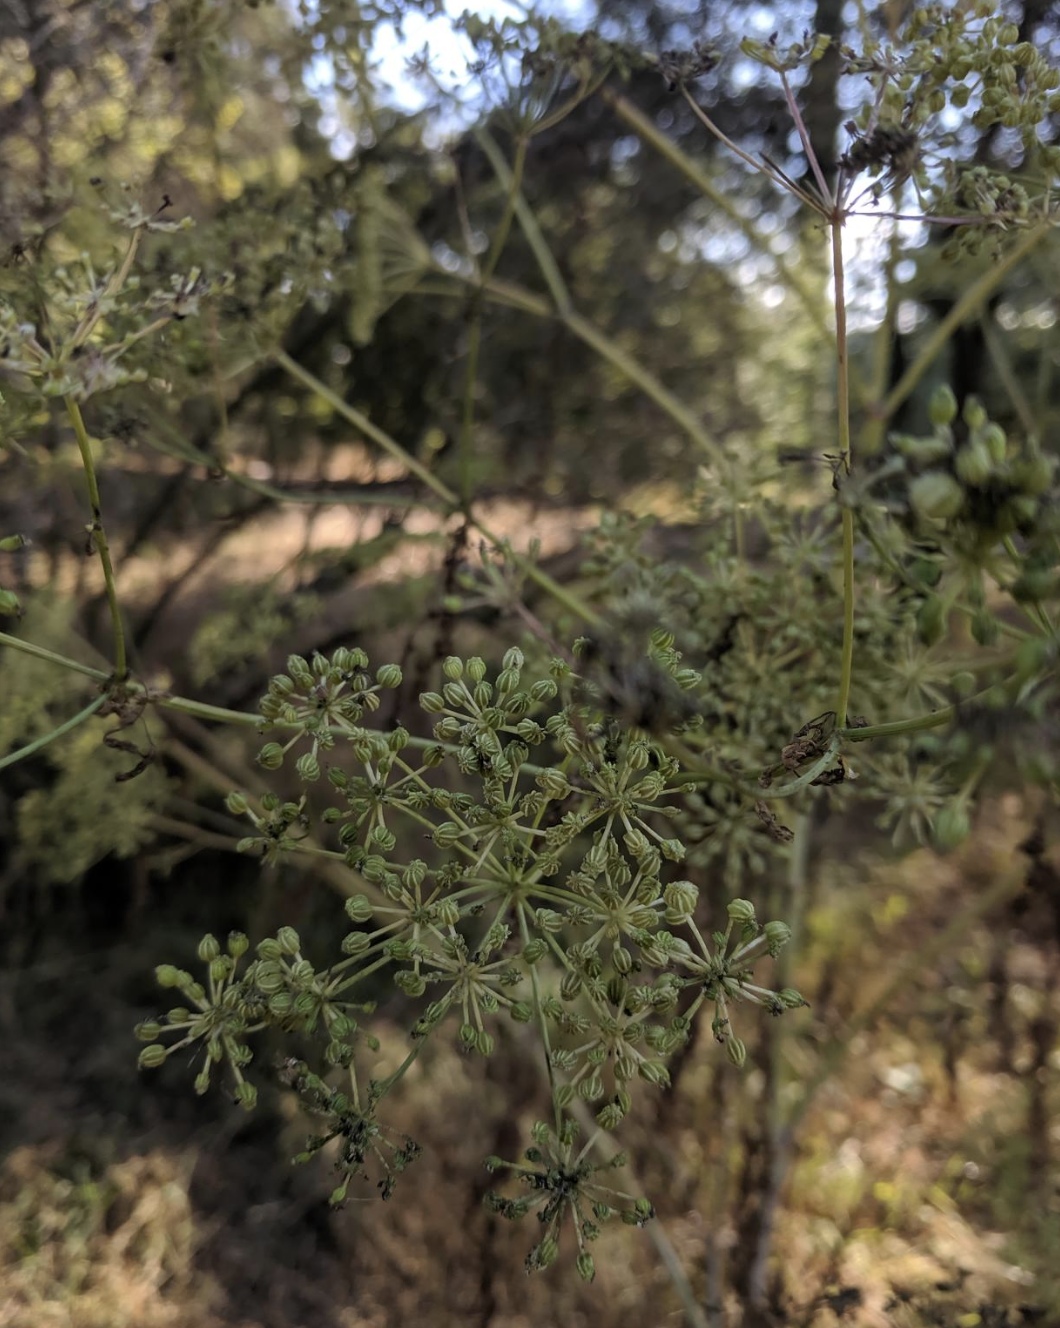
(931, 620)
(936, 495)
(952, 827)
(942, 408)
(152, 1056)
(974, 464)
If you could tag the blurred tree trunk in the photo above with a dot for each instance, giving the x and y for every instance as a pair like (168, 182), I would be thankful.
(821, 110)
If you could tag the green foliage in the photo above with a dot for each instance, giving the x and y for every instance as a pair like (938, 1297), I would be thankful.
(547, 857)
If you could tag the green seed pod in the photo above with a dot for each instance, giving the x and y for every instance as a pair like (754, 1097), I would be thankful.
(974, 464)
(448, 912)
(790, 998)
(453, 668)
(680, 898)
(625, 1068)
(152, 1056)
(931, 620)
(586, 1267)
(507, 681)
(149, 1030)
(453, 694)
(358, 908)
(994, 437)
(432, 702)
(288, 940)
(741, 910)
(521, 1011)
(299, 670)
(308, 768)
(476, 669)
(12, 543)
(942, 409)
(534, 950)
(546, 1253)
(269, 978)
(208, 948)
(10, 604)
(654, 1072)
(553, 783)
(1034, 585)
(925, 572)
(544, 689)
(1034, 474)
(777, 935)
(237, 804)
(985, 628)
(952, 827)
(1031, 658)
(411, 983)
(271, 756)
(591, 1088)
(974, 413)
(446, 834)
(246, 1096)
(609, 1117)
(570, 985)
(736, 1052)
(166, 975)
(936, 495)
(388, 675)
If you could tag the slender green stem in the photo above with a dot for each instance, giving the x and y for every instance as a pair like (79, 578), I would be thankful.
(608, 1149)
(871, 438)
(52, 657)
(475, 331)
(528, 224)
(365, 425)
(99, 534)
(1006, 372)
(637, 374)
(846, 666)
(182, 450)
(524, 932)
(35, 746)
(607, 349)
(643, 127)
(547, 583)
(87, 325)
(934, 720)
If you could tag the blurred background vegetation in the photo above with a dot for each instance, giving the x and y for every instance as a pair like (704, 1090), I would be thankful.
(893, 1161)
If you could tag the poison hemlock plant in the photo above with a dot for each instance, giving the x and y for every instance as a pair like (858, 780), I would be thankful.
(531, 863)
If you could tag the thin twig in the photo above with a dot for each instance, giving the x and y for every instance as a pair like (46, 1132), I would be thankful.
(99, 534)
